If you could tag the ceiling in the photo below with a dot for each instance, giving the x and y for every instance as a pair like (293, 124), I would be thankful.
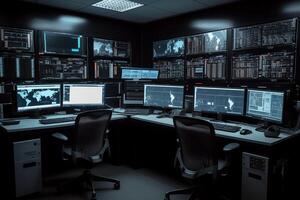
(151, 11)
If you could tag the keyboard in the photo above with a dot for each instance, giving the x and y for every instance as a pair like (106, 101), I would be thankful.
(225, 127)
(137, 111)
(57, 120)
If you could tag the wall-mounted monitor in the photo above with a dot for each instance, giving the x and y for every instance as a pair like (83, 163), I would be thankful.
(62, 43)
(83, 94)
(215, 41)
(164, 96)
(103, 47)
(219, 100)
(265, 105)
(34, 97)
(139, 73)
(172, 47)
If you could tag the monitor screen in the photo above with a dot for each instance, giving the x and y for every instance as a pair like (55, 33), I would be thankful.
(138, 73)
(83, 94)
(219, 100)
(103, 47)
(267, 105)
(164, 96)
(172, 47)
(62, 43)
(30, 97)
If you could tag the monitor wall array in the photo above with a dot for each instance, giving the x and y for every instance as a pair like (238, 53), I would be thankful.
(34, 97)
(260, 104)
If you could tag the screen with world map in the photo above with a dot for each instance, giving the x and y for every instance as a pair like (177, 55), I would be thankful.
(172, 47)
(31, 97)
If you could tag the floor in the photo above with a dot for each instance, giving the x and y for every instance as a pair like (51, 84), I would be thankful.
(136, 184)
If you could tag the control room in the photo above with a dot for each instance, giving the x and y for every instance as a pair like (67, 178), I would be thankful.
(149, 100)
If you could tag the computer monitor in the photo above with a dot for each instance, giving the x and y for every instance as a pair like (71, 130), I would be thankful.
(265, 105)
(83, 94)
(35, 97)
(219, 100)
(164, 96)
(139, 73)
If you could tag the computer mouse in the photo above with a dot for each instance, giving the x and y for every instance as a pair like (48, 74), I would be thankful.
(245, 132)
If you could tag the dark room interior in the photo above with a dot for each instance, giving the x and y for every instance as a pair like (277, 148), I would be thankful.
(149, 99)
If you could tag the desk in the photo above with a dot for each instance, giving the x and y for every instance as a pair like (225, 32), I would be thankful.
(147, 133)
(29, 124)
(256, 137)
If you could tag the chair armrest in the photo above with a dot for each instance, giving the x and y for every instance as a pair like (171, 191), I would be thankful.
(61, 137)
(231, 147)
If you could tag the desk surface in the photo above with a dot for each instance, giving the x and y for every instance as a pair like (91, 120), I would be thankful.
(256, 137)
(28, 124)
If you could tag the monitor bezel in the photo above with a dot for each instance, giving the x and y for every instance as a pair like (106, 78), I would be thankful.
(138, 68)
(164, 107)
(83, 42)
(28, 109)
(266, 118)
(64, 105)
(223, 113)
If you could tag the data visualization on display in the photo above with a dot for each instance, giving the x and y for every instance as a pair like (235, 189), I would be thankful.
(219, 100)
(173, 47)
(163, 96)
(265, 105)
(37, 96)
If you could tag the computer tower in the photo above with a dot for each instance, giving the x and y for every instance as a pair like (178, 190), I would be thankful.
(255, 173)
(28, 171)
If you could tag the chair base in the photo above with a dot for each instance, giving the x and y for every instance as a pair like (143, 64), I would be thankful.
(196, 192)
(88, 178)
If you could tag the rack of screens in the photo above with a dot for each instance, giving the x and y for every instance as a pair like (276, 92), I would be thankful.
(83, 94)
(168, 48)
(163, 96)
(139, 73)
(265, 105)
(63, 43)
(35, 97)
(219, 100)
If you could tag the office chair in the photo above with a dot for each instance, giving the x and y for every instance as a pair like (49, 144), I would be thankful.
(88, 145)
(197, 156)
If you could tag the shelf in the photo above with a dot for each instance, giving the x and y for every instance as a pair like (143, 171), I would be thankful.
(95, 58)
(62, 55)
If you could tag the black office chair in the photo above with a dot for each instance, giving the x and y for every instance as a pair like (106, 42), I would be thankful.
(87, 147)
(197, 156)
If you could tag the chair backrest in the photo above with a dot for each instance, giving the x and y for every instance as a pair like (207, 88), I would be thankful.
(90, 129)
(197, 144)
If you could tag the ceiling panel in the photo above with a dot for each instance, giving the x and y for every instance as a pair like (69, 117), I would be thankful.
(180, 6)
(151, 11)
(143, 14)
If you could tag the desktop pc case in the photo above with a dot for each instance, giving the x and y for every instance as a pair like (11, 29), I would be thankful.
(255, 175)
(28, 170)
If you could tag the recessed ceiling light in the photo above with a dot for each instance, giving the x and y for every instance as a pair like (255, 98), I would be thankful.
(117, 5)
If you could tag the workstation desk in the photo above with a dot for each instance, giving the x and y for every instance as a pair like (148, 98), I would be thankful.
(142, 129)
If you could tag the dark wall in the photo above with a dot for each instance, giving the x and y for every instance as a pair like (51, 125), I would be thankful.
(236, 14)
(38, 17)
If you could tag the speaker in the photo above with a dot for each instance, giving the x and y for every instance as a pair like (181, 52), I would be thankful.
(272, 131)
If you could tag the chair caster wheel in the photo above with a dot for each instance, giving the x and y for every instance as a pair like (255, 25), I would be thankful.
(117, 186)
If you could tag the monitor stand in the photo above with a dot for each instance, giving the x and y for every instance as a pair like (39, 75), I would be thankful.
(36, 114)
(220, 118)
(166, 112)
